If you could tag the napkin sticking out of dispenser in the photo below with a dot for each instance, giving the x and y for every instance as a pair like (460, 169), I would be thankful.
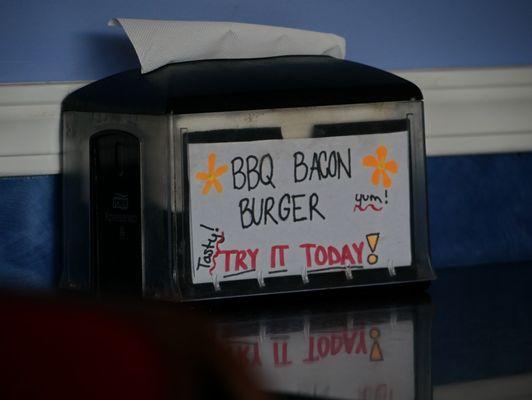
(158, 43)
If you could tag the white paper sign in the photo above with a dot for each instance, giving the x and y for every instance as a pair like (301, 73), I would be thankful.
(271, 208)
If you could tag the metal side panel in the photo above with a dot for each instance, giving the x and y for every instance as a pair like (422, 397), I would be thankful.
(155, 198)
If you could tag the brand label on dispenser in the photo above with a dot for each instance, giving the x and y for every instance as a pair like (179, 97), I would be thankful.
(272, 208)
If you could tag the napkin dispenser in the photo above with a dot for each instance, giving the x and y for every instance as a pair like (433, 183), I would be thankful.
(223, 178)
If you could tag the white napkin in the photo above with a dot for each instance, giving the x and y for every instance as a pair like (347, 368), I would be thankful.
(158, 43)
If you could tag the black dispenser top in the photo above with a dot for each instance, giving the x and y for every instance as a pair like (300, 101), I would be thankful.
(241, 84)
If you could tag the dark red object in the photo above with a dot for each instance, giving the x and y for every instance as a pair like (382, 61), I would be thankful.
(66, 348)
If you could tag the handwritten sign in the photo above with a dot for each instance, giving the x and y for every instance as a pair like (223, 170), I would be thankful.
(271, 208)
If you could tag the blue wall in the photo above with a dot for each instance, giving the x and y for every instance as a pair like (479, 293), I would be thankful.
(479, 209)
(63, 40)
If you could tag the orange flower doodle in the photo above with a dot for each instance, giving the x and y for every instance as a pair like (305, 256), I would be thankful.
(382, 167)
(211, 176)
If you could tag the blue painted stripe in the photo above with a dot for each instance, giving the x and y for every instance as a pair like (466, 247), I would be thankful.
(480, 210)
(30, 231)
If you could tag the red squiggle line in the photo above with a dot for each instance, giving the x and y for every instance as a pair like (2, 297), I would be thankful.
(221, 240)
(362, 209)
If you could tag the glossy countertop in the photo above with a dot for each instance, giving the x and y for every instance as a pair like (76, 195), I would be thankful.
(468, 336)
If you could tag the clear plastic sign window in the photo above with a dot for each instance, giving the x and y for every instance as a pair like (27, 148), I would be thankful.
(264, 209)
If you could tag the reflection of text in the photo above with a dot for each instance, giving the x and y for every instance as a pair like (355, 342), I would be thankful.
(325, 345)
(376, 392)
(318, 347)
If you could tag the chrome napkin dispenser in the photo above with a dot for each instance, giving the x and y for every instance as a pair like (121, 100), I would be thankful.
(224, 178)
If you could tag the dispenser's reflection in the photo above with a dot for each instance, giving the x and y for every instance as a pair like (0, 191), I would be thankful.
(340, 350)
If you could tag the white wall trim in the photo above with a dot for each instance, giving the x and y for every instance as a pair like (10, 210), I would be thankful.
(511, 387)
(29, 127)
(471, 111)
(467, 111)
